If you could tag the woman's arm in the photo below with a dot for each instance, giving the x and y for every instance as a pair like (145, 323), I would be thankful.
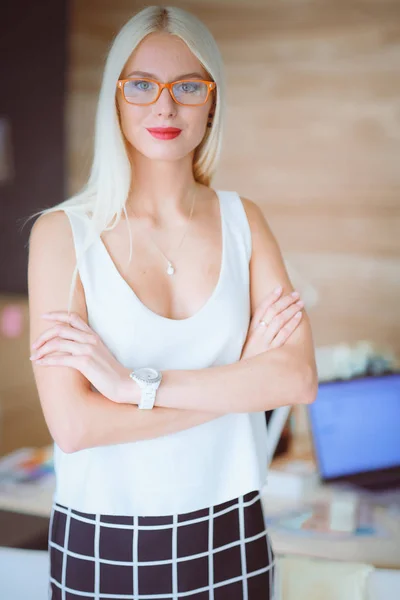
(282, 376)
(286, 375)
(260, 383)
(76, 416)
(80, 418)
(273, 378)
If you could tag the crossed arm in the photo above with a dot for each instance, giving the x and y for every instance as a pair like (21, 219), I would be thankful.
(187, 398)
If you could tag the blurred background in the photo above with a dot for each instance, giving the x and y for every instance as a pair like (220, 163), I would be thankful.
(312, 135)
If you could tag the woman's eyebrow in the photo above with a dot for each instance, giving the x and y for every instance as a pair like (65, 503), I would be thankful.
(152, 76)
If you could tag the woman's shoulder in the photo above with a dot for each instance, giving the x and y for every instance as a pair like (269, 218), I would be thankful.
(257, 218)
(51, 247)
(51, 229)
(59, 227)
(252, 209)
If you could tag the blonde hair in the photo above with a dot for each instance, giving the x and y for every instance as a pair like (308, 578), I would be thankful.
(105, 193)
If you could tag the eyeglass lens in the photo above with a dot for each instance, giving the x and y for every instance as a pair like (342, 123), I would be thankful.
(187, 92)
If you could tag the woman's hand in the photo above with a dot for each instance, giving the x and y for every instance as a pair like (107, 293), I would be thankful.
(81, 349)
(273, 323)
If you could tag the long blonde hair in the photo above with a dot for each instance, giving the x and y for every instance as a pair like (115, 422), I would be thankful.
(105, 193)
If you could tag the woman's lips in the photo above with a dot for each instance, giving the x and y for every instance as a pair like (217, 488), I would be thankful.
(164, 133)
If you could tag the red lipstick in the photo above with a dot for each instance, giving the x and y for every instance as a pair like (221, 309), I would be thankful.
(164, 133)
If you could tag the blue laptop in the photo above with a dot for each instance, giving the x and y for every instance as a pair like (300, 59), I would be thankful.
(355, 428)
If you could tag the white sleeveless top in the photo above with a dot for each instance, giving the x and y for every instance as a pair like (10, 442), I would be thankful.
(201, 466)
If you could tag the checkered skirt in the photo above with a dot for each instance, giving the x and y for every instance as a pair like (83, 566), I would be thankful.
(217, 553)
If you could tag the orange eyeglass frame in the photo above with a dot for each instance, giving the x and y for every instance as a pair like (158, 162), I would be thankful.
(211, 85)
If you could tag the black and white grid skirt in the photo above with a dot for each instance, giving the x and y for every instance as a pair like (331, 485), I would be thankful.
(217, 553)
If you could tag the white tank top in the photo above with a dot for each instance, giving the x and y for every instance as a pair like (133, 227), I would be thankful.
(201, 466)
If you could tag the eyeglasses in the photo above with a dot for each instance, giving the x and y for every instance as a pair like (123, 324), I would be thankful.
(188, 92)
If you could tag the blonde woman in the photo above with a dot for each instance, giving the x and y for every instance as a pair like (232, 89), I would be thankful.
(154, 372)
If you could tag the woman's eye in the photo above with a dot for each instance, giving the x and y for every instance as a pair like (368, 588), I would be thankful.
(188, 87)
(143, 85)
(140, 85)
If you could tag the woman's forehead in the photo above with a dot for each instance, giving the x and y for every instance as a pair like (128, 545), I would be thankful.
(163, 56)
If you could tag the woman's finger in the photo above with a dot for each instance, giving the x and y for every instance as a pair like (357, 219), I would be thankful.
(260, 310)
(279, 321)
(279, 307)
(72, 318)
(58, 344)
(286, 331)
(272, 306)
(65, 331)
(64, 360)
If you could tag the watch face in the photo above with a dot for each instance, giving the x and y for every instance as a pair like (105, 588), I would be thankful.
(148, 374)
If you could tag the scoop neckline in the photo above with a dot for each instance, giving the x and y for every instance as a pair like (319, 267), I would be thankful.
(210, 298)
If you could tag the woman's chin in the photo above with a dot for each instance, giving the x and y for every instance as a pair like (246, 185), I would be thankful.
(167, 152)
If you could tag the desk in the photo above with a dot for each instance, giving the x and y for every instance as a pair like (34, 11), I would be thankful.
(21, 530)
(383, 552)
(24, 516)
(29, 499)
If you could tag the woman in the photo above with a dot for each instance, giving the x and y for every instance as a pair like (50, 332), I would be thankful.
(161, 503)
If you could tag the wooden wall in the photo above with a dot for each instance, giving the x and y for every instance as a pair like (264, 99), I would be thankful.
(316, 143)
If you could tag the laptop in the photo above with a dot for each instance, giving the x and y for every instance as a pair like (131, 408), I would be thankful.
(355, 427)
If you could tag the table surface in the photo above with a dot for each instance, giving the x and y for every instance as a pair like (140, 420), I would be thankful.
(380, 551)
(22, 530)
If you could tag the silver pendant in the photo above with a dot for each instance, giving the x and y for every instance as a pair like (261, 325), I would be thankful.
(170, 269)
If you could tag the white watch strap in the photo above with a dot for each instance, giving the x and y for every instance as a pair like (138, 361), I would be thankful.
(147, 397)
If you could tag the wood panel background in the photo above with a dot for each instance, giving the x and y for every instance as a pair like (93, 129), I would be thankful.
(312, 135)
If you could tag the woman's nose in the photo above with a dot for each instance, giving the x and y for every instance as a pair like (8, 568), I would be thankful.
(165, 103)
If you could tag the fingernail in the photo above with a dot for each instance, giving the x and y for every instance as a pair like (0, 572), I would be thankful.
(278, 290)
(295, 294)
(298, 315)
(300, 303)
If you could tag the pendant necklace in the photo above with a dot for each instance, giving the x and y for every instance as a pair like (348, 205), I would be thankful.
(170, 267)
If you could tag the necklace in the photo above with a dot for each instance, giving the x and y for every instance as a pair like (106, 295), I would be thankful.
(170, 267)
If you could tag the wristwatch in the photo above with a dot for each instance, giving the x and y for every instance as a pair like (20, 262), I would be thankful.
(148, 379)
